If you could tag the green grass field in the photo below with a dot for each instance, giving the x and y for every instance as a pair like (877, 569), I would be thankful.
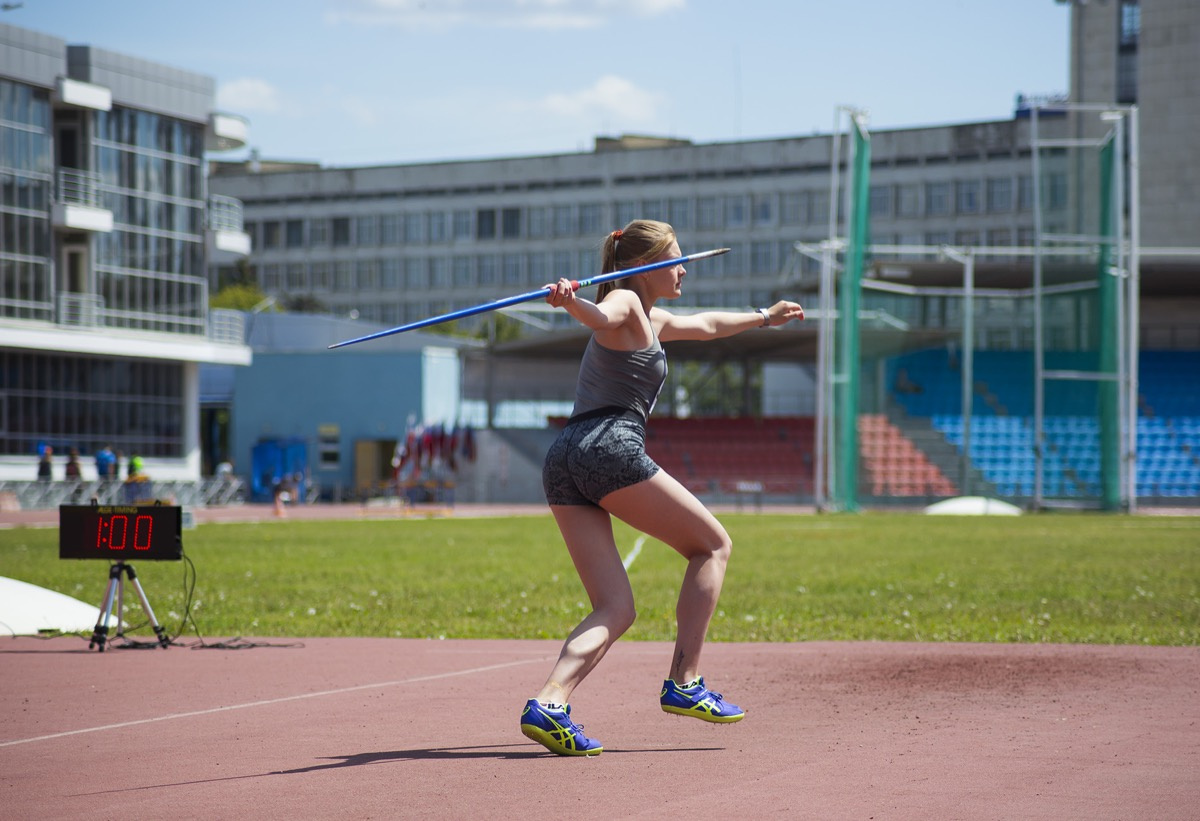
(888, 577)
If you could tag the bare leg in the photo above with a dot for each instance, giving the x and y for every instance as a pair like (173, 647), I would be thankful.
(664, 509)
(588, 533)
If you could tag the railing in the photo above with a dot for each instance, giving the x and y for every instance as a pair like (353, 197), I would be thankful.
(79, 187)
(226, 326)
(79, 310)
(47, 495)
(224, 213)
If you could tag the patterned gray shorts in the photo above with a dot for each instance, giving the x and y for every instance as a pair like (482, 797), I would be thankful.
(593, 457)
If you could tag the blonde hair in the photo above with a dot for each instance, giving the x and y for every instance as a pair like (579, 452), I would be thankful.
(636, 244)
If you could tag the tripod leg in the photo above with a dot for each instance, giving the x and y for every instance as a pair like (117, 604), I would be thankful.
(100, 634)
(163, 640)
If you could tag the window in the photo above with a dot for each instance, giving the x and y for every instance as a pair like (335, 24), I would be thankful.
(1056, 192)
(318, 232)
(437, 226)
(512, 269)
(937, 199)
(966, 196)
(462, 225)
(653, 210)
(679, 213)
(908, 201)
(760, 257)
(463, 275)
(735, 211)
(1025, 193)
(272, 234)
(329, 447)
(389, 229)
(764, 209)
(439, 273)
(510, 223)
(564, 223)
(626, 212)
(295, 233)
(415, 274)
(295, 277)
(485, 223)
(591, 219)
(1131, 22)
(881, 201)
(487, 270)
(706, 213)
(818, 207)
(366, 230)
(538, 222)
(320, 276)
(340, 228)
(390, 274)
(539, 268)
(790, 208)
(562, 265)
(414, 228)
(999, 195)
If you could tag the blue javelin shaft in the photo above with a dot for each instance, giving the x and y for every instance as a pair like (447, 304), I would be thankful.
(541, 293)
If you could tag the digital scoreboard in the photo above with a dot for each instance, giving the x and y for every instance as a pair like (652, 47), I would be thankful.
(120, 533)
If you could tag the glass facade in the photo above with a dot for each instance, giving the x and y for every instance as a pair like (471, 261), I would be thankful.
(26, 177)
(64, 401)
(150, 268)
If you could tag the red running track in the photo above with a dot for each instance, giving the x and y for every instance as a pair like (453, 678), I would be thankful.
(402, 728)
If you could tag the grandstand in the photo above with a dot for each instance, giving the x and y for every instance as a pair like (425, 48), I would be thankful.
(1002, 439)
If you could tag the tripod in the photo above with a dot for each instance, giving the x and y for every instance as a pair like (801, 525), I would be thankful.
(115, 595)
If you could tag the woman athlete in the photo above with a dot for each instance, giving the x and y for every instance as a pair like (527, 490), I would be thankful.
(598, 468)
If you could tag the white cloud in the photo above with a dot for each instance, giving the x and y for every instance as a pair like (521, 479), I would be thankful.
(610, 98)
(248, 95)
(530, 14)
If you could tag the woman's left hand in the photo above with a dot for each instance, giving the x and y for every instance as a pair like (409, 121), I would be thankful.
(783, 312)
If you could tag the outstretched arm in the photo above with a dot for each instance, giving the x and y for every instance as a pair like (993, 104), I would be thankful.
(718, 324)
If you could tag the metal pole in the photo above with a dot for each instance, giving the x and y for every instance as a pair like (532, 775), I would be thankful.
(821, 467)
(968, 369)
(1118, 205)
(1133, 282)
(829, 311)
(1038, 375)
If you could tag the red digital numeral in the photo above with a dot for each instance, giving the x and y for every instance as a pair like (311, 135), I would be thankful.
(142, 541)
(123, 523)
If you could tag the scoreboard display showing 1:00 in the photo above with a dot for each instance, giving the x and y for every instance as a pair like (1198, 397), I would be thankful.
(120, 532)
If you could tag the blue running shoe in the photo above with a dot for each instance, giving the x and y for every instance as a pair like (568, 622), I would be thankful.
(698, 701)
(553, 728)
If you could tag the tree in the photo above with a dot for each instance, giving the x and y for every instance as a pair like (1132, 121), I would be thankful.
(239, 297)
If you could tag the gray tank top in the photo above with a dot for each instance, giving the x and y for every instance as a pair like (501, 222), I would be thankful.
(624, 379)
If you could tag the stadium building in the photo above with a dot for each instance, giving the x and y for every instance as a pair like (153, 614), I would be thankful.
(107, 228)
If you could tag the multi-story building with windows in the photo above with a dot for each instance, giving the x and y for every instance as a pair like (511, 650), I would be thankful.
(399, 243)
(106, 231)
(393, 244)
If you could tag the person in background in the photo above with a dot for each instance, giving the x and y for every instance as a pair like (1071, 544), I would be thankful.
(73, 472)
(106, 462)
(45, 468)
(597, 468)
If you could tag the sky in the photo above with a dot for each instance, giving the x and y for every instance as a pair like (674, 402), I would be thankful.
(374, 82)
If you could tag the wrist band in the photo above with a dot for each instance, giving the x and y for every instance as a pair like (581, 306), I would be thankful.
(766, 317)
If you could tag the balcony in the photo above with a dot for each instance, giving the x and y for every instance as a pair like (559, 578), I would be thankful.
(77, 204)
(227, 241)
(225, 132)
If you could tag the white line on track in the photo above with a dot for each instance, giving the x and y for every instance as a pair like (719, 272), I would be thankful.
(633, 554)
(282, 700)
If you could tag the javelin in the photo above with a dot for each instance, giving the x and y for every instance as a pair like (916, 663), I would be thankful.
(532, 295)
